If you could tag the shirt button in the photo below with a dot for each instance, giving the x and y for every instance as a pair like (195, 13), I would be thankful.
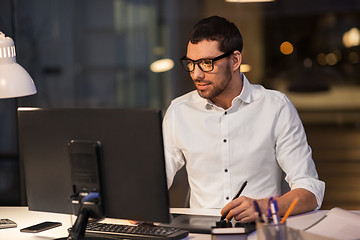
(227, 198)
(225, 113)
(224, 140)
(226, 170)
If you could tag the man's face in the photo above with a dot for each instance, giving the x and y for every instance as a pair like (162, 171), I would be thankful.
(209, 84)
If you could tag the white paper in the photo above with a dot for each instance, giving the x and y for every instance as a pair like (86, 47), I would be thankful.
(338, 224)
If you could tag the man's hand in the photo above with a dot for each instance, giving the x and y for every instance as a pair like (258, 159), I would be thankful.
(242, 209)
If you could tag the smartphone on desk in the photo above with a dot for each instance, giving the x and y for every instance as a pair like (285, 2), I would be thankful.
(41, 227)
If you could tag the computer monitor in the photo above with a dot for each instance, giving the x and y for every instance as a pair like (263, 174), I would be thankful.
(132, 167)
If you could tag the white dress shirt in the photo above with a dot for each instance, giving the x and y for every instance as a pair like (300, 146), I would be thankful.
(255, 140)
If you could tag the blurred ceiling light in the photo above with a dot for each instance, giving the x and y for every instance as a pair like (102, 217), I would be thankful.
(249, 1)
(321, 59)
(351, 38)
(307, 62)
(286, 48)
(353, 57)
(162, 65)
(14, 80)
(244, 68)
(331, 59)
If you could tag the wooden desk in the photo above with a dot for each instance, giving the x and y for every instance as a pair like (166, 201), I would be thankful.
(24, 218)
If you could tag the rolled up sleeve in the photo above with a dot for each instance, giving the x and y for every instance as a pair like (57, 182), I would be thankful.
(294, 155)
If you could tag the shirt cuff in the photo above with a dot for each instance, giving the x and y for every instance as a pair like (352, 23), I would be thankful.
(315, 186)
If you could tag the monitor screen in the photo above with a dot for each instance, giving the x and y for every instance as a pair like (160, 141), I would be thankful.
(133, 178)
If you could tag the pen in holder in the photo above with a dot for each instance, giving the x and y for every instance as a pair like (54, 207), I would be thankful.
(270, 231)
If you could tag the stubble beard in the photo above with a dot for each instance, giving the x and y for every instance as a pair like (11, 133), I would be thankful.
(217, 89)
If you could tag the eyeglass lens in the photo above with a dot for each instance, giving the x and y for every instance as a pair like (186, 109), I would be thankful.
(205, 65)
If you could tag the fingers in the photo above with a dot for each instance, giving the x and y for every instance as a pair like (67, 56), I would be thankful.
(247, 215)
(231, 205)
(241, 209)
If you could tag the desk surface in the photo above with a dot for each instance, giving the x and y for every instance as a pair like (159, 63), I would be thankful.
(24, 218)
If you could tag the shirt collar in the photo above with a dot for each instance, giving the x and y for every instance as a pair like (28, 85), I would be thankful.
(244, 96)
(246, 92)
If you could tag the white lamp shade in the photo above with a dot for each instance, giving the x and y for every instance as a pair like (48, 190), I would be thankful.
(14, 80)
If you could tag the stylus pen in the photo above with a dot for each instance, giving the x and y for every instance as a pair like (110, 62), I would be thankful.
(236, 196)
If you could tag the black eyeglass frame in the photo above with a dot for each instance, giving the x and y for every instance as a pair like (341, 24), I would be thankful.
(197, 62)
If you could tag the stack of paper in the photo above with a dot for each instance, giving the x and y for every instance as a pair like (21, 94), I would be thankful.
(338, 224)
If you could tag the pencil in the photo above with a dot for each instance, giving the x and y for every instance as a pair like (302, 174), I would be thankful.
(289, 210)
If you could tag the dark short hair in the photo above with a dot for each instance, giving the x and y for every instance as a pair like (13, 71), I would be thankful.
(219, 29)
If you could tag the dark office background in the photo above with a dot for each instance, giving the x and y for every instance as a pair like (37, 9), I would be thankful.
(97, 53)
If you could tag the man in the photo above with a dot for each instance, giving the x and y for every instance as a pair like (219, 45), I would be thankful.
(229, 131)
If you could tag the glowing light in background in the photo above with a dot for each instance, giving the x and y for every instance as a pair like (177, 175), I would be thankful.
(245, 68)
(353, 57)
(286, 48)
(321, 59)
(307, 62)
(329, 59)
(351, 38)
(162, 65)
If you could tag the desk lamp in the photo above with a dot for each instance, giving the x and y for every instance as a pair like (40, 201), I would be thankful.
(14, 80)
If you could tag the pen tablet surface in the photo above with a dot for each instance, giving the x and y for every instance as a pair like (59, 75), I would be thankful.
(204, 224)
(194, 223)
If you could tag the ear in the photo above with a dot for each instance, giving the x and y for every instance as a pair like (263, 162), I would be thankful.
(236, 60)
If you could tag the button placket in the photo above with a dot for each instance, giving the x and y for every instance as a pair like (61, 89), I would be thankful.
(225, 156)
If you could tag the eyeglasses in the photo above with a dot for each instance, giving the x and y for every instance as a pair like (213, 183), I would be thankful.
(205, 65)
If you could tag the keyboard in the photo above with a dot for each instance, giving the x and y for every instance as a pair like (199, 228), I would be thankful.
(142, 231)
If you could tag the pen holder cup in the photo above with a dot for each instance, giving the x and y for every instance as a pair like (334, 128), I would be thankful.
(270, 231)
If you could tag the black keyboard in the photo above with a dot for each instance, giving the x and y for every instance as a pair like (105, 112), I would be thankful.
(142, 231)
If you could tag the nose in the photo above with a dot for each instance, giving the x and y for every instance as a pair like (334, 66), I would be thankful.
(197, 73)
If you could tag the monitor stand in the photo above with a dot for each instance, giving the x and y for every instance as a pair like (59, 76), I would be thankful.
(89, 202)
(77, 231)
